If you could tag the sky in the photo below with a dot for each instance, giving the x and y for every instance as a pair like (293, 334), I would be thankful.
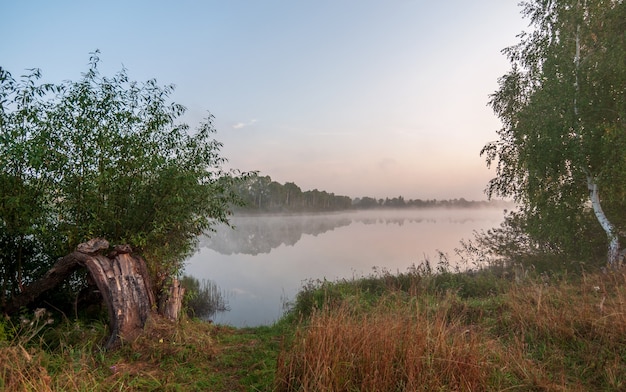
(378, 98)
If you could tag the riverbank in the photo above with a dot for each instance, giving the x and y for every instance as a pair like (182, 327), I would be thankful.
(417, 330)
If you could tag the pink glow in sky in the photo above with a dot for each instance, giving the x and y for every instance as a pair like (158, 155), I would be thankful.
(356, 97)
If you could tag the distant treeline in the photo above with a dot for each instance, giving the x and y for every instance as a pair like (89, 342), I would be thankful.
(363, 203)
(261, 194)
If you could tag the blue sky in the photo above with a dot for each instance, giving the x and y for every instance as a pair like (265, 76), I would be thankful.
(356, 97)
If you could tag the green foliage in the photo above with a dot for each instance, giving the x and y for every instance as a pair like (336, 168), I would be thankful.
(3, 331)
(562, 107)
(103, 157)
(511, 250)
(260, 193)
(27, 328)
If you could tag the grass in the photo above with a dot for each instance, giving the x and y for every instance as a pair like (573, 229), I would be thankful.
(392, 347)
(187, 356)
(387, 332)
(480, 333)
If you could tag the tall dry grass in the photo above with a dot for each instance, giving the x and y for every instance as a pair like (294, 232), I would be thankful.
(20, 372)
(541, 334)
(388, 348)
(70, 358)
(28, 370)
(568, 335)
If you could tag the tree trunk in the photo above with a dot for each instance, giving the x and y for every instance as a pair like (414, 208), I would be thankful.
(173, 302)
(613, 254)
(125, 286)
(122, 279)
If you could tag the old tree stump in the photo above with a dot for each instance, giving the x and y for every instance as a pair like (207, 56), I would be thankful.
(121, 278)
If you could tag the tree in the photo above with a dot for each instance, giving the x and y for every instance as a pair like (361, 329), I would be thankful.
(293, 196)
(259, 189)
(261, 193)
(23, 182)
(563, 109)
(103, 157)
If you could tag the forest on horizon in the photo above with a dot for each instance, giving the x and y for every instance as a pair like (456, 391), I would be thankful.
(262, 194)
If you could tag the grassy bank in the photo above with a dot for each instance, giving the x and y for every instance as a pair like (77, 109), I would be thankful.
(388, 332)
(187, 356)
(482, 333)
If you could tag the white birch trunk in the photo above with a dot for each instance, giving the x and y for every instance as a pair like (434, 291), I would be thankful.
(613, 255)
(609, 229)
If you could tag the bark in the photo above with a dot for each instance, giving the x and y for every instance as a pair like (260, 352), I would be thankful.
(173, 303)
(124, 284)
(121, 278)
(613, 254)
(57, 274)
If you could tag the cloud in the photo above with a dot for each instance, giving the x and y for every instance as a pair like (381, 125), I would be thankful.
(240, 125)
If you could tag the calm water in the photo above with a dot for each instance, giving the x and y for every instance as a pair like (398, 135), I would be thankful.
(266, 259)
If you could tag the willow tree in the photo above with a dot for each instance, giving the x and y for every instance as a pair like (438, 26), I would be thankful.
(102, 157)
(561, 151)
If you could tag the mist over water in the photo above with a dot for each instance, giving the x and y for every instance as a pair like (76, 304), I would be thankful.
(266, 258)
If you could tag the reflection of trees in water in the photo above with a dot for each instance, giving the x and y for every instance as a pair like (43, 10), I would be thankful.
(402, 221)
(392, 221)
(261, 234)
(254, 235)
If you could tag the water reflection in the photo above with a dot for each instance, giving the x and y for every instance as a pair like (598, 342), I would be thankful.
(253, 235)
(266, 258)
(260, 234)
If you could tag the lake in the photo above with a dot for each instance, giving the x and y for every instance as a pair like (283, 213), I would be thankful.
(266, 259)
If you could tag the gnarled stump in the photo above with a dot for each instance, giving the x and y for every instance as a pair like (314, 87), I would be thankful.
(125, 286)
(122, 279)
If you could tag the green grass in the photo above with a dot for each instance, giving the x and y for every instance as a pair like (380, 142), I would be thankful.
(187, 356)
(386, 332)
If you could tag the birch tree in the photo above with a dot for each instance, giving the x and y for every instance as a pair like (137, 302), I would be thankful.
(560, 152)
